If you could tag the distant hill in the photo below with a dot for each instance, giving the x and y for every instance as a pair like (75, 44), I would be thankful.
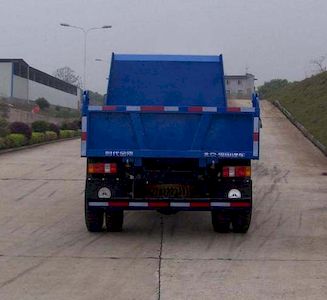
(306, 100)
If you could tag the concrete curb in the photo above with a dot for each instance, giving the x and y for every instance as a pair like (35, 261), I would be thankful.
(36, 145)
(299, 126)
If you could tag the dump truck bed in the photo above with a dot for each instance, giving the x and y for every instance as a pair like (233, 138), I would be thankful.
(169, 106)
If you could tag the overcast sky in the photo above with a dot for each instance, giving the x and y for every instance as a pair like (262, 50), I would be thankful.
(273, 39)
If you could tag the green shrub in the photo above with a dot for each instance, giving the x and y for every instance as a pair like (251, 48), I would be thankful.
(20, 127)
(42, 103)
(4, 130)
(15, 140)
(2, 143)
(55, 128)
(37, 137)
(64, 134)
(73, 125)
(40, 126)
(50, 135)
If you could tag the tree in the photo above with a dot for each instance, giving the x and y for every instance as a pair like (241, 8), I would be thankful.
(319, 64)
(42, 103)
(272, 87)
(68, 75)
(96, 98)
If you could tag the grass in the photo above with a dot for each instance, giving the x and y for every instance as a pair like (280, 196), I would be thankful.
(307, 102)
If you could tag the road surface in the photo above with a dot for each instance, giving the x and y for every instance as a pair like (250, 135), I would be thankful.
(46, 252)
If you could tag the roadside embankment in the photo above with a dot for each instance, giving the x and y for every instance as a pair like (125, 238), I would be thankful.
(305, 104)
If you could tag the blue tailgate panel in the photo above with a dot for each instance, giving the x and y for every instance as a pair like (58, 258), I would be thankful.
(177, 135)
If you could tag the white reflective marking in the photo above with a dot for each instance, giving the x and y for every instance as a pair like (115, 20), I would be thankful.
(104, 192)
(84, 124)
(247, 109)
(220, 204)
(255, 124)
(133, 108)
(255, 148)
(98, 203)
(209, 109)
(83, 148)
(171, 108)
(95, 107)
(234, 194)
(138, 204)
(180, 204)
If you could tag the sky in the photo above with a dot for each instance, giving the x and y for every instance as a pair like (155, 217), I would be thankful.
(270, 39)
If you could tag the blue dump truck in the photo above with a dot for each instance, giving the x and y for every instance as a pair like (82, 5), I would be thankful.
(167, 140)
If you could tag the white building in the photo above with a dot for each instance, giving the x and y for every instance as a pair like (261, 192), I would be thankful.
(239, 86)
(19, 80)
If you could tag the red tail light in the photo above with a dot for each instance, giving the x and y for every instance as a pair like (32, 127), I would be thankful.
(237, 171)
(102, 168)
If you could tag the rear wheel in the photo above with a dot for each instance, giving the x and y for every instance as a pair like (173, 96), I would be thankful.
(220, 221)
(93, 218)
(115, 220)
(241, 221)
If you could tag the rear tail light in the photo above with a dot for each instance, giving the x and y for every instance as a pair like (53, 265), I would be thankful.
(102, 168)
(237, 171)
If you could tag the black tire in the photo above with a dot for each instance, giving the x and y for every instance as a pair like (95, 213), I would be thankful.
(220, 221)
(241, 221)
(93, 219)
(114, 220)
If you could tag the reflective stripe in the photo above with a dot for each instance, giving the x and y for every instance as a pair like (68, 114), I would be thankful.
(133, 108)
(138, 204)
(240, 204)
(98, 203)
(255, 148)
(200, 204)
(171, 108)
(179, 204)
(158, 108)
(83, 148)
(84, 124)
(166, 204)
(195, 109)
(109, 108)
(220, 204)
(247, 109)
(256, 124)
(152, 108)
(233, 109)
(209, 109)
(95, 108)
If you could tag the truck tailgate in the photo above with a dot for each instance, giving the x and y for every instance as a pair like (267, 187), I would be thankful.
(171, 131)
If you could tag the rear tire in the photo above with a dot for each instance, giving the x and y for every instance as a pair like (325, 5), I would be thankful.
(93, 219)
(220, 221)
(241, 221)
(114, 220)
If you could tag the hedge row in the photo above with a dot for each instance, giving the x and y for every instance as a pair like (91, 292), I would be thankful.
(37, 126)
(14, 140)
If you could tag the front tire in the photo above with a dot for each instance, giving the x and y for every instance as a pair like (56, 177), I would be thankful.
(93, 218)
(114, 220)
(220, 221)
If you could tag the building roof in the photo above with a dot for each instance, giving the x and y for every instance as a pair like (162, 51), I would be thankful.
(23, 69)
(245, 76)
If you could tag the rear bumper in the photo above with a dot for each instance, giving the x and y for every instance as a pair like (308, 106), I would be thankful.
(213, 197)
(172, 204)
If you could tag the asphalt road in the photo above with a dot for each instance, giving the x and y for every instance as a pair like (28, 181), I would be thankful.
(46, 252)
